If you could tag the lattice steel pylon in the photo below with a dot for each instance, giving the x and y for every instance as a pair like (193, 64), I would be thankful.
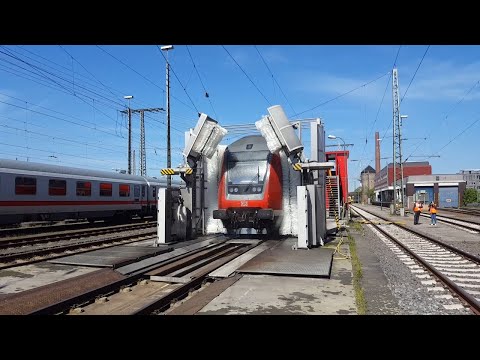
(143, 154)
(397, 139)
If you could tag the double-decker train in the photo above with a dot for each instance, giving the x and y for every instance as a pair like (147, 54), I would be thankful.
(40, 192)
(250, 187)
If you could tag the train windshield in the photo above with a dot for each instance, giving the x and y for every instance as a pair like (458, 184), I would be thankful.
(247, 169)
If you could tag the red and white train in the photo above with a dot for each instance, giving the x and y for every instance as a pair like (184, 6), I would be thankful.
(38, 192)
(250, 188)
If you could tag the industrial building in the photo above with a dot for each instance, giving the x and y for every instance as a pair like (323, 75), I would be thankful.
(384, 178)
(445, 190)
(472, 177)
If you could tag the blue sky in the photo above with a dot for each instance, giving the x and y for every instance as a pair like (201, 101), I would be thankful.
(61, 104)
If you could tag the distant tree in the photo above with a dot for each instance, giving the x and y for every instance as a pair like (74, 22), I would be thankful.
(469, 196)
(371, 194)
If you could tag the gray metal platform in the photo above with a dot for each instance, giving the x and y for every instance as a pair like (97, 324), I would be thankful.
(112, 257)
(282, 260)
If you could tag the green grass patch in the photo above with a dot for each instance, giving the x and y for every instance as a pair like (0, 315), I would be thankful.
(356, 226)
(357, 276)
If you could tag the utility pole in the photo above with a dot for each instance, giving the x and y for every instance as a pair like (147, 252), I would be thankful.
(129, 97)
(143, 154)
(169, 159)
(143, 157)
(134, 170)
(397, 141)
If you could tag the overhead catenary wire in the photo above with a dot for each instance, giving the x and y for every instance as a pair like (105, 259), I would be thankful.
(108, 88)
(376, 117)
(79, 63)
(341, 95)
(175, 74)
(248, 77)
(457, 136)
(207, 95)
(63, 89)
(143, 76)
(39, 72)
(413, 77)
(274, 79)
(44, 73)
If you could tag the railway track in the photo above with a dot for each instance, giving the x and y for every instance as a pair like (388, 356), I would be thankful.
(475, 212)
(150, 291)
(439, 266)
(467, 224)
(464, 224)
(33, 249)
(44, 228)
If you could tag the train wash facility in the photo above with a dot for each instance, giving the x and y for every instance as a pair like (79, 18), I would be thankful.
(235, 189)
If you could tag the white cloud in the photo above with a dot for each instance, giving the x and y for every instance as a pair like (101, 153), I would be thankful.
(272, 56)
(240, 54)
(434, 81)
(330, 86)
(441, 81)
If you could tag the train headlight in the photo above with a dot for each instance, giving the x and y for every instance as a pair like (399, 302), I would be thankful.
(254, 189)
(235, 189)
(259, 189)
(230, 190)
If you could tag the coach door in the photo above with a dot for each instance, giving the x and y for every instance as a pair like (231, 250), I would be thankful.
(144, 199)
(136, 194)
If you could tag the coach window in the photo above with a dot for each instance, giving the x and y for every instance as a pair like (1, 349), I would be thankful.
(154, 192)
(105, 189)
(84, 188)
(143, 191)
(57, 187)
(25, 186)
(136, 191)
(124, 190)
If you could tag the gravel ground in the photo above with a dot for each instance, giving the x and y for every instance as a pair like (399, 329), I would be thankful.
(411, 295)
(468, 246)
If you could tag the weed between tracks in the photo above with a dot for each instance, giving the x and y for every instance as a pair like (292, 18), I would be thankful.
(357, 271)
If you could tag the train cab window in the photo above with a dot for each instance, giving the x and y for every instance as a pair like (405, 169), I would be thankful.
(57, 187)
(136, 191)
(25, 186)
(124, 190)
(105, 189)
(143, 191)
(84, 188)
(247, 168)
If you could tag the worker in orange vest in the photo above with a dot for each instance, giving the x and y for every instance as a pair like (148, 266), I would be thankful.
(417, 209)
(433, 213)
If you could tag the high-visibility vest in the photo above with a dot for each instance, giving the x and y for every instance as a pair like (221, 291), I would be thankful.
(433, 209)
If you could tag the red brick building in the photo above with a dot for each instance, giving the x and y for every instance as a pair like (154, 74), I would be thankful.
(384, 179)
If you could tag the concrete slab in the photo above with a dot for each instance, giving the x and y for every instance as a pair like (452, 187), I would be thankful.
(28, 277)
(283, 260)
(286, 295)
(232, 266)
(264, 294)
(111, 257)
(145, 264)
